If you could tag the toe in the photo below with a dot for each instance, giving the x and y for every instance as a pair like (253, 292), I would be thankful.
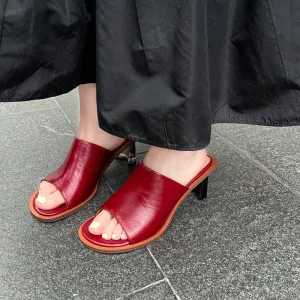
(100, 222)
(47, 188)
(116, 235)
(109, 228)
(123, 235)
(51, 201)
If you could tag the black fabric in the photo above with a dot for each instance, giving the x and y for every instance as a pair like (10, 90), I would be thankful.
(43, 45)
(166, 70)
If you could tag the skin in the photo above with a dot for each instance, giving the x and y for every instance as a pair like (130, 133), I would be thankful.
(180, 166)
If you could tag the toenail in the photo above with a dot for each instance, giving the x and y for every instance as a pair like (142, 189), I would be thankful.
(41, 199)
(114, 236)
(94, 225)
(123, 236)
(104, 235)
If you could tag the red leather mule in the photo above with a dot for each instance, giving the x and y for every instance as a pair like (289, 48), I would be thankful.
(145, 206)
(77, 178)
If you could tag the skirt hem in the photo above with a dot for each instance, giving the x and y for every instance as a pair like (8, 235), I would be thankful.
(200, 146)
(139, 139)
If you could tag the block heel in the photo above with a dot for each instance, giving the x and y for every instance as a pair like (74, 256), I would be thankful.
(201, 189)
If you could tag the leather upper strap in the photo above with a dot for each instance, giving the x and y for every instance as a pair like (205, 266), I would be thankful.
(144, 202)
(78, 176)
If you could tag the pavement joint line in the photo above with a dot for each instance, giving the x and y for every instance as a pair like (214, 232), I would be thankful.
(139, 153)
(65, 114)
(109, 186)
(49, 129)
(258, 164)
(166, 279)
(164, 274)
(143, 288)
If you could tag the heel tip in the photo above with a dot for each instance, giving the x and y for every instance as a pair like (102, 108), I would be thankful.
(201, 190)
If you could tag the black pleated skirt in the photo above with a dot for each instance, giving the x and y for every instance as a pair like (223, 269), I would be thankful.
(165, 70)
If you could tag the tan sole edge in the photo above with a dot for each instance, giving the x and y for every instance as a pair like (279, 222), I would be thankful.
(128, 248)
(58, 217)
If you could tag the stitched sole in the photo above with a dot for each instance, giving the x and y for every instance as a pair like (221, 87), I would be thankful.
(127, 248)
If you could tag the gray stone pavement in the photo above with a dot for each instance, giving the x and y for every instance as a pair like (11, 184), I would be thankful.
(242, 242)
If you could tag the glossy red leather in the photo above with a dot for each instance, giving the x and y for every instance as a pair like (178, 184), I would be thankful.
(142, 204)
(78, 176)
(206, 168)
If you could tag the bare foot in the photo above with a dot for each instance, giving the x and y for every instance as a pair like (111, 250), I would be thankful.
(49, 197)
(181, 166)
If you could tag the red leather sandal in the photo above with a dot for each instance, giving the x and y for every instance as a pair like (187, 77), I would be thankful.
(78, 177)
(144, 206)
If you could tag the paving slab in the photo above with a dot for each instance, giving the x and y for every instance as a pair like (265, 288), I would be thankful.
(25, 158)
(277, 148)
(13, 108)
(32, 145)
(47, 261)
(242, 242)
(53, 264)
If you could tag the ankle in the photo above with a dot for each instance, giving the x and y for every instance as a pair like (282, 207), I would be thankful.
(174, 156)
(180, 166)
(99, 137)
